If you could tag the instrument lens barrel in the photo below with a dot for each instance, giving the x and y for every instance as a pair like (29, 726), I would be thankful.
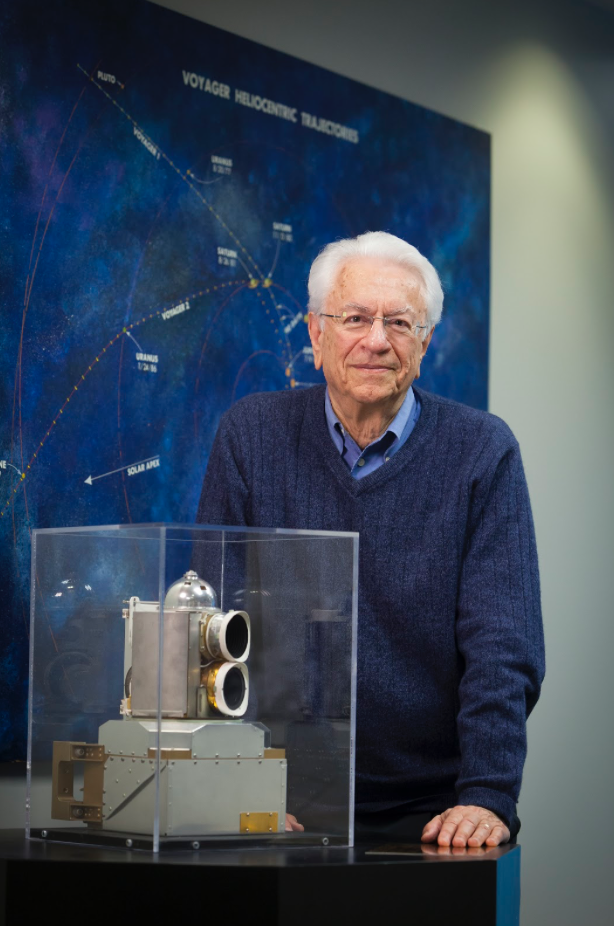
(237, 636)
(234, 688)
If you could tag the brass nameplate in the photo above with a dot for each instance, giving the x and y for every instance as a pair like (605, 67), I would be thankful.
(259, 822)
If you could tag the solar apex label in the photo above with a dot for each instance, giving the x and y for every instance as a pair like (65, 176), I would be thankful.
(141, 467)
(270, 107)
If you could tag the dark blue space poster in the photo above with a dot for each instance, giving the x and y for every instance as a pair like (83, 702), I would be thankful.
(164, 187)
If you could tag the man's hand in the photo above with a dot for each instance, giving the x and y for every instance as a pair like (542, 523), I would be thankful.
(292, 824)
(466, 826)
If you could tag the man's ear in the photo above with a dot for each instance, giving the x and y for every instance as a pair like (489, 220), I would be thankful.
(316, 333)
(426, 342)
(423, 349)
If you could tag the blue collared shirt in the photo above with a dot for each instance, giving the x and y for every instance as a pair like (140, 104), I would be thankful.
(362, 462)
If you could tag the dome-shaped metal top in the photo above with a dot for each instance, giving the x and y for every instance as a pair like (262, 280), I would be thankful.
(190, 592)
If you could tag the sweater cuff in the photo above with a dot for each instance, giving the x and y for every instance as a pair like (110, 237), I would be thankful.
(493, 800)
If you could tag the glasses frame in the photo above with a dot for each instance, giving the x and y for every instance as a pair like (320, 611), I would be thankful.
(385, 320)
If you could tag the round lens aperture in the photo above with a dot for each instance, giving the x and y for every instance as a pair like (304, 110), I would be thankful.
(227, 685)
(237, 636)
(225, 635)
(234, 688)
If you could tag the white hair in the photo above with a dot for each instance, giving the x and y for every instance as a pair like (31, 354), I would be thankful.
(329, 261)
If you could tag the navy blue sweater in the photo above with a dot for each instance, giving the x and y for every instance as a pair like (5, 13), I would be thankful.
(450, 641)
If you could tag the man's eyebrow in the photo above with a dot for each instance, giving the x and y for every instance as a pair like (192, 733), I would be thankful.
(364, 308)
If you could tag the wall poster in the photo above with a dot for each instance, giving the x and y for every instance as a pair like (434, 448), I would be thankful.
(164, 188)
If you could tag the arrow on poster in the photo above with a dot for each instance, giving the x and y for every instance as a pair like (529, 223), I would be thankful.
(138, 467)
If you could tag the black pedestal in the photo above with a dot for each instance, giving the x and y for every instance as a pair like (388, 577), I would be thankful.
(42, 881)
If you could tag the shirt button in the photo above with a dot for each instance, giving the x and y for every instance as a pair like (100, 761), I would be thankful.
(361, 462)
(387, 458)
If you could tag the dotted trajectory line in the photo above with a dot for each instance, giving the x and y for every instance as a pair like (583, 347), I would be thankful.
(157, 313)
(265, 281)
(177, 170)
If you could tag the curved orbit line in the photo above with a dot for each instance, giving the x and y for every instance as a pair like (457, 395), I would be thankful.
(119, 370)
(27, 298)
(204, 347)
(304, 165)
(30, 278)
(155, 314)
(27, 305)
(288, 293)
(203, 200)
(28, 295)
(121, 459)
(177, 170)
(191, 185)
(244, 364)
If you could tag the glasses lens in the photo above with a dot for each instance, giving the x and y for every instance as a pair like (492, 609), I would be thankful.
(399, 326)
(355, 322)
(396, 327)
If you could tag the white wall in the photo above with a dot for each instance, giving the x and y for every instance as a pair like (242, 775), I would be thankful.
(540, 77)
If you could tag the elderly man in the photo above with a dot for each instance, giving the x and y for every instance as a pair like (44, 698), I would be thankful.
(450, 636)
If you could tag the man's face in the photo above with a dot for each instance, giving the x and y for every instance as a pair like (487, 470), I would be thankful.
(373, 367)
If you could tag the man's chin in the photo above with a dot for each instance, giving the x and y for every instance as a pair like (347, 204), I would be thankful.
(374, 393)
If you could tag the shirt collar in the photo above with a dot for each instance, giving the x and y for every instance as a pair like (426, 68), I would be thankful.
(396, 426)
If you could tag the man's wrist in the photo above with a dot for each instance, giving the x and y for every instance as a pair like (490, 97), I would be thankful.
(496, 801)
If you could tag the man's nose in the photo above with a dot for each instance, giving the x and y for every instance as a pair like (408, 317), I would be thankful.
(377, 337)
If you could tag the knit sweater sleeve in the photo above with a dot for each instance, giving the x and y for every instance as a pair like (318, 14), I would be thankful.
(224, 497)
(499, 635)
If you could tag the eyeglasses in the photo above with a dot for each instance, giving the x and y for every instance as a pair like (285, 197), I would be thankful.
(395, 326)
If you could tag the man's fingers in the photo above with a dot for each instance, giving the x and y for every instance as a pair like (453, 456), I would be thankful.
(467, 829)
(432, 828)
(449, 829)
(462, 826)
(292, 824)
(498, 835)
(482, 832)
(466, 825)
(452, 818)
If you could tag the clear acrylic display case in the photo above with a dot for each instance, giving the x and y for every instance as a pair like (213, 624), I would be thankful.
(205, 720)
